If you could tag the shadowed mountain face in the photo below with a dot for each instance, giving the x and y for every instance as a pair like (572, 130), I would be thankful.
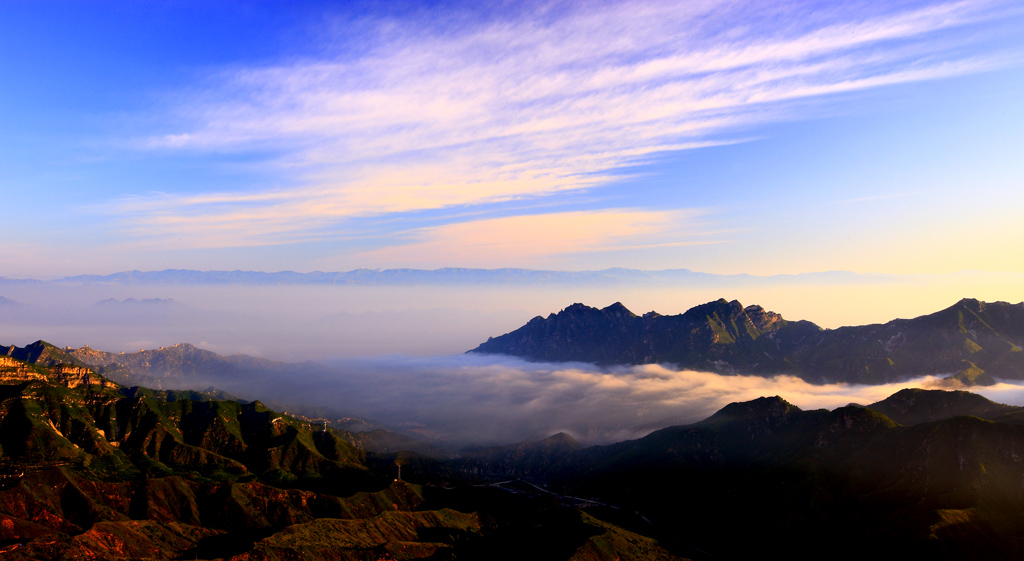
(972, 340)
(90, 469)
(526, 459)
(915, 406)
(709, 335)
(942, 486)
(179, 362)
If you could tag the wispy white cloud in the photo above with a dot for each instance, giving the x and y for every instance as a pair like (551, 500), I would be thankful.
(519, 108)
(543, 238)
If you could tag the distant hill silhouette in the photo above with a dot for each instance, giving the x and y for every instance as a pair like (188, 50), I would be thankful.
(914, 406)
(973, 341)
(453, 276)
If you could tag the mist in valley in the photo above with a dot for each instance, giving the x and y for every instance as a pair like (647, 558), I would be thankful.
(394, 354)
(474, 399)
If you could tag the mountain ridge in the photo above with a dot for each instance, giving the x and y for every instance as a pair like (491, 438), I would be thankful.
(178, 363)
(946, 485)
(91, 467)
(96, 470)
(972, 340)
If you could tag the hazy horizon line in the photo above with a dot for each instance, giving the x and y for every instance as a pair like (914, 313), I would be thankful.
(363, 275)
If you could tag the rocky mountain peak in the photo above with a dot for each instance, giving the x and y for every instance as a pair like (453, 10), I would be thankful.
(972, 304)
(975, 341)
(913, 405)
(618, 310)
(561, 440)
(41, 353)
(761, 407)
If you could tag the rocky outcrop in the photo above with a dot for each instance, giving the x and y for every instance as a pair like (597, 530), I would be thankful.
(974, 341)
(72, 376)
(719, 335)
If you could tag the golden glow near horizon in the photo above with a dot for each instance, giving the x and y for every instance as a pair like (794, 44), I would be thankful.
(717, 136)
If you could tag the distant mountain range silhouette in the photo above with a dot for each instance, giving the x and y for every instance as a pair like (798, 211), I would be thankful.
(971, 342)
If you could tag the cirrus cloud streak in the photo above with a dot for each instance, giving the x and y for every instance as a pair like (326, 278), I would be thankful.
(540, 238)
(553, 100)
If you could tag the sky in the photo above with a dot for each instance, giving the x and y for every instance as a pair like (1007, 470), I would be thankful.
(719, 136)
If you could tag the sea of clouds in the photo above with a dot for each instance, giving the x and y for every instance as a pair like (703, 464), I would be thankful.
(491, 399)
(393, 354)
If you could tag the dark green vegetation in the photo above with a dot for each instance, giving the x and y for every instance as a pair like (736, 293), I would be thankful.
(972, 341)
(93, 470)
(185, 365)
(763, 479)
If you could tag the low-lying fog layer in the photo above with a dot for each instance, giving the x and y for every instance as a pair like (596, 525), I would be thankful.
(487, 399)
(418, 379)
(296, 323)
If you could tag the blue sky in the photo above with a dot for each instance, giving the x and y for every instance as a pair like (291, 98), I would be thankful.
(718, 136)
